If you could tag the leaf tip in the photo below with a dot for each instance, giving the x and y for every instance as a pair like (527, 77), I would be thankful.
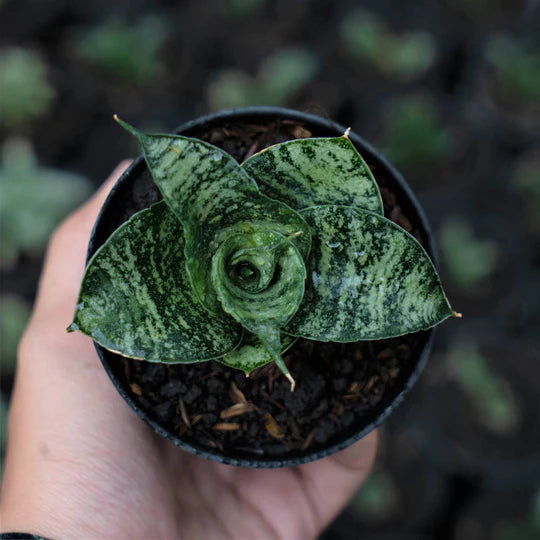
(128, 127)
(346, 134)
(457, 315)
(73, 327)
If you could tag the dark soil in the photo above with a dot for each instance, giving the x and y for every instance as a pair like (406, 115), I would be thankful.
(341, 388)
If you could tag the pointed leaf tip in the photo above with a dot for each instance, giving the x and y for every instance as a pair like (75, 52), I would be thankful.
(346, 134)
(129, 128)
(73, 327)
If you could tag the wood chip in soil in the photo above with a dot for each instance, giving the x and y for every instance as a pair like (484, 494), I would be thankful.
(236, 410)
(226, 426)
(272, 427)
(236, 395)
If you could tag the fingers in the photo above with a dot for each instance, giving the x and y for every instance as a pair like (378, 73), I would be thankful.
(331, 482)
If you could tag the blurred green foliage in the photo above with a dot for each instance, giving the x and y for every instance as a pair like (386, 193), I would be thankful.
(127, 50)
(34, 200)
(280, 76)
(377, 497)
(243, 7)
(14, 315)
(25, 93)
(414, 135)
(468, 260)
(402, 55)
(517, 67)
(489, 393)
(525, 529)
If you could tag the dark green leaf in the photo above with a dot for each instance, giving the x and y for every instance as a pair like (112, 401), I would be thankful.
(311, 172)
(136, 298)
(367, 279)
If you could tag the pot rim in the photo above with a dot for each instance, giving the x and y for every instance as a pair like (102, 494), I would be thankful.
(260, 113)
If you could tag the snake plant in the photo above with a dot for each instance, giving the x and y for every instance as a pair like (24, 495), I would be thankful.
(238, 261)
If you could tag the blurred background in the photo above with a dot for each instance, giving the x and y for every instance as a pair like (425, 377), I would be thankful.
(449, 90)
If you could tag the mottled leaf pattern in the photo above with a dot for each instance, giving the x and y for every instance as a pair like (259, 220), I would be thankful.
(260, 286)
(214, 198)
(239, 261)
(259, 298)
(367, 279)
(311, 172)
(136, 298)
(246, 218)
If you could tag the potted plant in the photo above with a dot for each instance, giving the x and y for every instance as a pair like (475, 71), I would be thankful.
(282, 267)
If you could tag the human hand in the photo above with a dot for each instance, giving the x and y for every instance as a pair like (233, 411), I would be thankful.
(81, 464)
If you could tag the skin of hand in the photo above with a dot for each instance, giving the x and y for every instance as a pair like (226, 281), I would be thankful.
(81, 464)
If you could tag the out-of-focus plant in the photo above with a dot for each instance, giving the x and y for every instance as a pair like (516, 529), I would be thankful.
(403, 55)
(34, 199)
(468, 259)
(127, 50)
(280, 76)
(243, 7)
(524, 529)
(378, 496)
(14, 315)
(496, 405)
(414, 135)
(516, 67)
(526, 179)
(25, 93)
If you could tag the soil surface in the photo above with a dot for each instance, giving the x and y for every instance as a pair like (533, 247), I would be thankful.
(341, 388)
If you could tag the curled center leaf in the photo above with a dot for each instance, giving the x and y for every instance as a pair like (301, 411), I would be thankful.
(261, 285)
(259, 278)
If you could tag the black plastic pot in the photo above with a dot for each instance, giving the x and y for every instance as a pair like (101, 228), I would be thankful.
(132, 193)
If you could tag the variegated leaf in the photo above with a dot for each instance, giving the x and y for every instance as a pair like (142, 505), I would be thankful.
(136, 298)
(252, 353)
(259, 279)
(367, 279)
(311, 172)
(214, 199)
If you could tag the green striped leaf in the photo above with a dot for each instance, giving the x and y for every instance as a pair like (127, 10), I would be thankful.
(136, 298)
(311, 172)
(367, 279)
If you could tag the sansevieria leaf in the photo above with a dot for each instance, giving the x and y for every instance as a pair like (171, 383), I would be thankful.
(214, 199)
(237, 262)
(244, 251)
(311, 172)
(136, 298)
(260, 286)
(367, 279)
